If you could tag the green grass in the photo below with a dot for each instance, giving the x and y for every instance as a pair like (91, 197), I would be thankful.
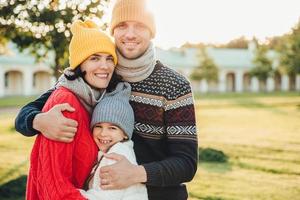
(230, 95)
(260, 134)
(15, 101)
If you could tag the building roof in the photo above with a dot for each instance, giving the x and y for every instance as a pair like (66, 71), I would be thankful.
(186, 58)
(15, 56)
(223, 58)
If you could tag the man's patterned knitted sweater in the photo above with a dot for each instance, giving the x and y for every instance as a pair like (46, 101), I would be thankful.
(165, 139)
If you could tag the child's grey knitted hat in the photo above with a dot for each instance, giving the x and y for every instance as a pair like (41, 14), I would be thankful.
(114, 108)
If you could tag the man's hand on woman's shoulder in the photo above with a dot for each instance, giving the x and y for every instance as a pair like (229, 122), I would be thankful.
(54, 125)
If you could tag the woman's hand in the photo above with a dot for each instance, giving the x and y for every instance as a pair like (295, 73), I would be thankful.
(54, 126)
(122, 174)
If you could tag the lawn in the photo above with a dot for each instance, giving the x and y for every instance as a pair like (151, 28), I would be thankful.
(261, 136)
(259, 133)
(13, 101)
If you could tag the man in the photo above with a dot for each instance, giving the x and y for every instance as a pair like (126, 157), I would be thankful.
(165, 140)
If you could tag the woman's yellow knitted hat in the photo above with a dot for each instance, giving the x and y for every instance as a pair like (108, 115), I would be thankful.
(132, 10)
(88, 39)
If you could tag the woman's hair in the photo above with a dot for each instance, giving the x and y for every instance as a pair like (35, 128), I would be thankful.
(115, 78)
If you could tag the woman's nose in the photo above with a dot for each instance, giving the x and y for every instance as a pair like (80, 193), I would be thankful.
(103, 64)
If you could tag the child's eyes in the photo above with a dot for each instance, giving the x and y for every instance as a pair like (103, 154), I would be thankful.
(98, 126)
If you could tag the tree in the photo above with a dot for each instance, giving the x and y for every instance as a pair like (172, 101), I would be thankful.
(207, 69)
(263, 65)
(44, 26)
(290, 51)
(238, 43)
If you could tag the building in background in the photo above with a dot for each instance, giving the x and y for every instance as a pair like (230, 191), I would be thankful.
(20, 74)
(233, 65)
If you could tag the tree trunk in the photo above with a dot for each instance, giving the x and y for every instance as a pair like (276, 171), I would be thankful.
(57, 69)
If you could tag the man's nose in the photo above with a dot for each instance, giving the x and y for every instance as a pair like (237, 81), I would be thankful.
(130, 32)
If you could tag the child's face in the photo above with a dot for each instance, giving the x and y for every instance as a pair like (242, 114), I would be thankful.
(107, 134)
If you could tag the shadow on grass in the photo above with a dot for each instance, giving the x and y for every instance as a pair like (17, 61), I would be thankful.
(192, 195)
(266, 169)
(252, 103)
(216, 167)
(14, 189)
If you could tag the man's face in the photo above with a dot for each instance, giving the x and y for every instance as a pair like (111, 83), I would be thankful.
(132, 38)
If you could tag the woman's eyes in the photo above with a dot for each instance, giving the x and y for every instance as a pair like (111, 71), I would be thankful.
(97, 58)
(94, 58)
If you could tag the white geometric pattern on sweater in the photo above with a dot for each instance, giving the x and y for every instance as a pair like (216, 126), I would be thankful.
(180, 103)
(176, 130)
(146, 128)
(146, 100)
(183, 101)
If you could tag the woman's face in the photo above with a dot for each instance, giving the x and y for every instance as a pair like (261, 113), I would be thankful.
(99, 68)
(106, 135)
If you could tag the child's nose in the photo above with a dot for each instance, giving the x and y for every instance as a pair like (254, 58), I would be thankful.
(103, 132)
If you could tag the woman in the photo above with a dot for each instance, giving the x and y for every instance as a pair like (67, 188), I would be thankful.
(58, 169)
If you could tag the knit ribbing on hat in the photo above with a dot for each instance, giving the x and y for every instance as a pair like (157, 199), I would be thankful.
(135, 70)
(115, 108)
(88, 96)
(87, 40)
(132, 10)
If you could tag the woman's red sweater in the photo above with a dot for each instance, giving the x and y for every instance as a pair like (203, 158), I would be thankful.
(58, 169)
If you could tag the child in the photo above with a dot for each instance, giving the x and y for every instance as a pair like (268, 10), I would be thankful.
(112, 124)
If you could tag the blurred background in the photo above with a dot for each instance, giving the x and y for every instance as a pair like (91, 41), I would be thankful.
(242, 58)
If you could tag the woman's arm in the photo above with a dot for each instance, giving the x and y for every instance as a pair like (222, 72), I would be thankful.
(54, 160)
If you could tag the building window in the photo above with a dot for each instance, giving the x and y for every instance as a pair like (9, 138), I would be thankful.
(6, 80)
(34, 80)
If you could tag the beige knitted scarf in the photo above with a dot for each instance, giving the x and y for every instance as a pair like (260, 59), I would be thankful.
(138, 69)
(88, 96)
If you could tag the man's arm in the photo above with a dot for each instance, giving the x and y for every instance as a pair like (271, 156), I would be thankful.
(31, 120)
(24, 119)
(181, 164)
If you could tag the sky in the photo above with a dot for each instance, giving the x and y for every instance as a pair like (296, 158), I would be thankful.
(219, 21)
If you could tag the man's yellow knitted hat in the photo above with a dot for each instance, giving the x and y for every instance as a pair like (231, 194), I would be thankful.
(132, 10)
(88, 39)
